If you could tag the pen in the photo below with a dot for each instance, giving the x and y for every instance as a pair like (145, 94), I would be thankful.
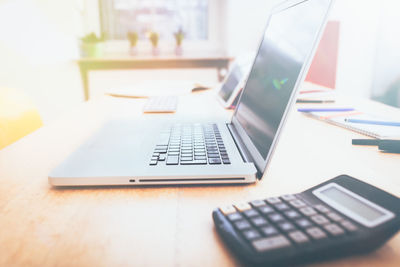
(386, 123)
(324, 109)
(365, 142)
(383, 144)
(312, 91)
(340, 114)
(389, 145)
(314, 101)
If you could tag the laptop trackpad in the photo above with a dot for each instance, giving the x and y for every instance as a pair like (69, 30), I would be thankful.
(118, 148)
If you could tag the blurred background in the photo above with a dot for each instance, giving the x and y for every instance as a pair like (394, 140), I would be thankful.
(41, 41)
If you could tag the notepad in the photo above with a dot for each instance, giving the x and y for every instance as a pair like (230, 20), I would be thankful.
(376, 131)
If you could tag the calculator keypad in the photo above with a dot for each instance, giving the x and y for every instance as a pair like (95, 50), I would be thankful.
(279, 222)
(265, 244)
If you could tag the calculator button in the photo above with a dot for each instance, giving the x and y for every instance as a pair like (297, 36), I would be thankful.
(227, 210)
(243, 206)
(320, 219)
(334, 229)
(266, 209)
(286, 226)
(259, 221)
(308, 211)
(235, 216)
(288, 197)
(281, 206)
(297, 203)
(322, 208)
(251, 234)
(299, 237)
(242, 224)
(257, 203)
(250, 213)
(349, 226)
(292, 214)
(273, 200)
(303, 223)
(270, 243)
(275, 217)
(316, 233)
(334, 216)
(269, 231)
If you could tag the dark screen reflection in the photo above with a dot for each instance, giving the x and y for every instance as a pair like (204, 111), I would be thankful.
(230, 83)
(287, 42)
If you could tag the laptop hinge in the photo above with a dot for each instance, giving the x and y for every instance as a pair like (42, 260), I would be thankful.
(242, 148)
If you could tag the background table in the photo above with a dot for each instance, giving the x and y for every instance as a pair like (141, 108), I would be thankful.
(113, 62)
(163, 225)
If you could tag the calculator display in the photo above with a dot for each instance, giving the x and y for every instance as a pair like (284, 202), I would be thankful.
(353, 205)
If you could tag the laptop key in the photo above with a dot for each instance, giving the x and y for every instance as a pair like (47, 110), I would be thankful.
(194, 162)
(214, 161)
(172, 160)
(162, 157)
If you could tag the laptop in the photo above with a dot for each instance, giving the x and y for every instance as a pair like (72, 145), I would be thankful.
(144, 153)
(228, 92)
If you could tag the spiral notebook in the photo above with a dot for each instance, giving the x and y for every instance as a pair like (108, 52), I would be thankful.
(376, 131)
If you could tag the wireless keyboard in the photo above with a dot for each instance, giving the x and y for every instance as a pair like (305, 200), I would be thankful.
(161, 104)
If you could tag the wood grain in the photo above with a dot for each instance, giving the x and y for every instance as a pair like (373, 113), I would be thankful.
(161, 226)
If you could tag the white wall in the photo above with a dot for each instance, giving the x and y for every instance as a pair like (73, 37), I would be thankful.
(359, 21)
(387, 62)
(245, 23)
(37, 48)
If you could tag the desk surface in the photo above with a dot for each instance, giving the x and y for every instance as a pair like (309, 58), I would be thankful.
(161, 226)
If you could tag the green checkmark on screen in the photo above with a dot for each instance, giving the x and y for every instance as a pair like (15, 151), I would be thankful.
(278, 83)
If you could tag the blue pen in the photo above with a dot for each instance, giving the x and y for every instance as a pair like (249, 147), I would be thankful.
(386, 123)
(324, 109)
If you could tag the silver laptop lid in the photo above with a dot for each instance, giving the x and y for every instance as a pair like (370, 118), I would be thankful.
(289, 42)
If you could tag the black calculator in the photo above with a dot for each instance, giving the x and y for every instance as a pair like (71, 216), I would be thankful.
(342, 216)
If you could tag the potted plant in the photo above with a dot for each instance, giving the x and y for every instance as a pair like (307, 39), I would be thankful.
(133, 38)
(91, 45)
(179, 35)
(154, 37)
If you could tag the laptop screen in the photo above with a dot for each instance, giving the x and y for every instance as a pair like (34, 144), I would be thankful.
(287, 43)
(230, 83)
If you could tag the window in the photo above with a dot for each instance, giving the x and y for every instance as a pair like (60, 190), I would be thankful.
(118, 17)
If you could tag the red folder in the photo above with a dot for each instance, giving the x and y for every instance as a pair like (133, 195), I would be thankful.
(323, 67)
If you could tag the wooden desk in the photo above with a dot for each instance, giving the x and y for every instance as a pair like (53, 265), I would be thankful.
(149, 62)
(161, 226)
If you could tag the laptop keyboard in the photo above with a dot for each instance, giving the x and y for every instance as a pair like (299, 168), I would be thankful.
(190, 144)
